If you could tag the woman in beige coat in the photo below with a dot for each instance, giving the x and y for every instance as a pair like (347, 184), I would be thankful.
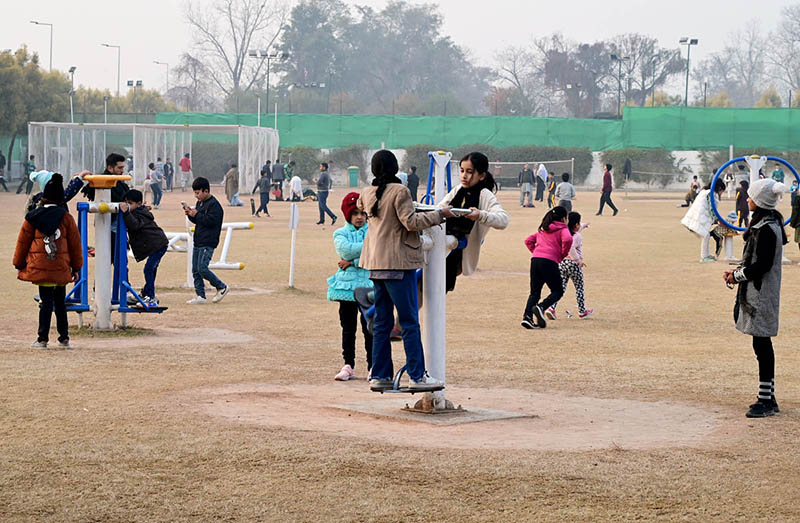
(392, 252)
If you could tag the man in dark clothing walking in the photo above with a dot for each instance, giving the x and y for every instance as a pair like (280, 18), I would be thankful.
(27, 168)
(413, 182)
(605, 197)
(263, 186)
(323, 188)
(3, 171)
(277, 179)
(207, 215)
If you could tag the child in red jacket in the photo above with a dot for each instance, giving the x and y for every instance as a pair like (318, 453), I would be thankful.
(548, 247)
(48, 254)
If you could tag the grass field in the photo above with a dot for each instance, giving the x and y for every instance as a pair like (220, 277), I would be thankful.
(230, 412)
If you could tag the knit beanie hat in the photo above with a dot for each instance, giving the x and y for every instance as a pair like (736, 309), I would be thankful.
(349, 205)
(766, 192)
(54, 189)
(41, 177)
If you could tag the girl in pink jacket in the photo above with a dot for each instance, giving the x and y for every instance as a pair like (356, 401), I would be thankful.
(548, 247)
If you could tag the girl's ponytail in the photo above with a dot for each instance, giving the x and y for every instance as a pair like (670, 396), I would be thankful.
(555, 214)
(384, 167)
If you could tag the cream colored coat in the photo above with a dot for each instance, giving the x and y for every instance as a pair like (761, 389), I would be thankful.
(392, 241)
(492, 216)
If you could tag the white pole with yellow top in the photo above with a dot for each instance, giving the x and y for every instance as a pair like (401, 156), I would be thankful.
(102, 206)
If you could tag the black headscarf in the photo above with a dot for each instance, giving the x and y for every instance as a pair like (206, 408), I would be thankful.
(384, 167)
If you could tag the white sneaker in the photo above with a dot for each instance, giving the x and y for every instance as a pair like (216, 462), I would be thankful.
(221, 294)
(345, 374)
(426, 382)
(39, 344)
(197, 300)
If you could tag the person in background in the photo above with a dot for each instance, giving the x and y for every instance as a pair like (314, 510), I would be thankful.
(525, 183)
(263, 185)
(795, 220)
(413, 182)
(700, 217)
(129, 163)
(551, 190)
(267, 168)
(3, 171)
(565, 193)
(48, 254)
(295, 189)
(232, 186)
(742, 208)
(186, 171)
(605, 197)
(169, 174)
(28, 167)
(156, 177)
(778, 174)
(323, 189)
(278, 175)
(729, 182)
(160, 166)
(541, 180)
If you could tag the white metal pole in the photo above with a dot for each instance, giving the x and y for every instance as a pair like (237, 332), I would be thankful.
(259, 111)
(294, 218)
(226, 245)
(276, 115)
(434, 340)
(102, 263)
(730, 152)
(189, 253)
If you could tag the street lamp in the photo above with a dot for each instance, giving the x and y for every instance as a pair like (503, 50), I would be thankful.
(688, 42)
(269, 56)
(105, 108)
(51, 39)
(619, 60)
(164, 63)
(71, 112)
(133, 84)
(72, 76)
(119, 53)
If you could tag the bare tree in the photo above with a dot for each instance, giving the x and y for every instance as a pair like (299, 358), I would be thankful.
(747, 50)
(519, 68)
(194, 88)
(225, 30)
(648, 66)
(783, 51)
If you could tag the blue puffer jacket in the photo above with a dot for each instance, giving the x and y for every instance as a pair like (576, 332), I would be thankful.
(348, 242)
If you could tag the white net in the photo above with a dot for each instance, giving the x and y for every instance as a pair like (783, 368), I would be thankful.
(69, 148)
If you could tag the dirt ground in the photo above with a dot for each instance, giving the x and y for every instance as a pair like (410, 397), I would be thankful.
(230, 412)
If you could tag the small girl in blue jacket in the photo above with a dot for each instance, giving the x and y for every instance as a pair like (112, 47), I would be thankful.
(348, 241)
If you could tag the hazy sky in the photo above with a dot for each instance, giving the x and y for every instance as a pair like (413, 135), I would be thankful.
(149, 30)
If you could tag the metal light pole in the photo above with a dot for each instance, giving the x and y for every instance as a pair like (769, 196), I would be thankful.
(705, 92)
(688, 42)
(619, 60)
(51, 39)
(164, 63)
(71, 112)
(653, 94)
(105, 108)
(265, 54)
(119, 54)
(72, 76)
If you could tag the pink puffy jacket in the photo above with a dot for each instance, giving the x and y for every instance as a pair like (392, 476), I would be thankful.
(553, 244)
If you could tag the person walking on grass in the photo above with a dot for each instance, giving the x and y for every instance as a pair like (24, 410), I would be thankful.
(28, 167)
(147, 241)
(392, 252)
(323, 189)
(605, 197)
(758, 296)
(548, 246)
(413, 182)
(48, 254)
(207, 216)
(186, 171)
(263, 185)
(348, 241)
(571, 268)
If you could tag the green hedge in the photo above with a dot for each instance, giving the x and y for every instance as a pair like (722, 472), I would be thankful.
(646, 161)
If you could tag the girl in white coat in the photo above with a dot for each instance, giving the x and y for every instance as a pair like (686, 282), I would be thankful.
(475, 192)
(700, 217)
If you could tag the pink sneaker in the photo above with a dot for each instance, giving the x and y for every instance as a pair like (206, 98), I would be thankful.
(586, 314)
(550, 313)
(345, 374)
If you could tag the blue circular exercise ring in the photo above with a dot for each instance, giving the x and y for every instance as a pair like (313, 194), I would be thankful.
(741, 159)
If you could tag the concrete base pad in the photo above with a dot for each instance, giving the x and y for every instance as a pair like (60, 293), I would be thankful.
(398, 409)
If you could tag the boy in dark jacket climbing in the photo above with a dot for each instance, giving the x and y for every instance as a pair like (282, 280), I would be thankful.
(147, 240)
(48, 254)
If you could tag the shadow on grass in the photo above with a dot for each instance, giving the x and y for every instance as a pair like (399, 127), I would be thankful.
(117, 332)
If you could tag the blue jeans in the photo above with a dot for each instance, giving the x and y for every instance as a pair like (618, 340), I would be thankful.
(264, 202)
(150, 270)
(201, 257)
(400, 294)
(322, 200)
(158, 192)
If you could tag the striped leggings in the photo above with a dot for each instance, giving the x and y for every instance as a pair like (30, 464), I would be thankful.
(570, 270)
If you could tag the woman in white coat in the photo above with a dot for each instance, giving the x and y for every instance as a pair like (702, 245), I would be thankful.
(700, 217)
(475, 192)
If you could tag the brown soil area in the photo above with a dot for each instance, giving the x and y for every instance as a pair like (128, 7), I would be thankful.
(230, 412)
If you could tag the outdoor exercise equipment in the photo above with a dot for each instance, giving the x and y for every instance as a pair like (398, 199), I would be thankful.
(183, 242)
(110, 291)
(755, 162)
